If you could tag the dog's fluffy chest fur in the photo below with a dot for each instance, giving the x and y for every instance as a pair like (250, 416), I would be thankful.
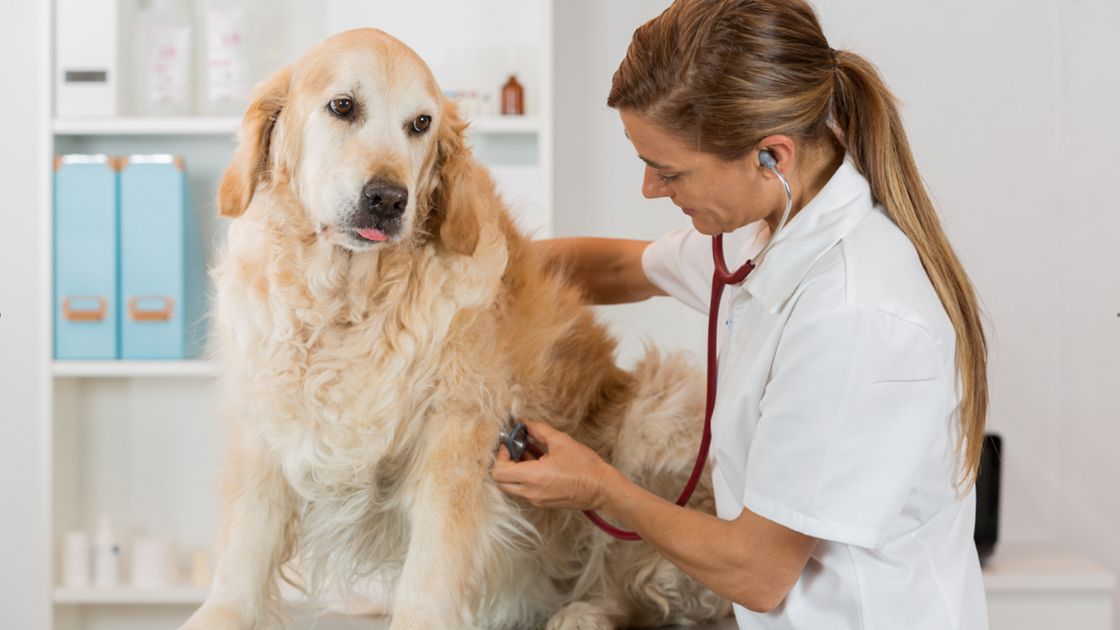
(339, 360)
(327, 338)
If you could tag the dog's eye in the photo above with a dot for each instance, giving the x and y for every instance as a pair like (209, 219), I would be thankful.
(420, 125)
(342, 107)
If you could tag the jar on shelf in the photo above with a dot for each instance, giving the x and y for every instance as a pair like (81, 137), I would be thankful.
(513, 98)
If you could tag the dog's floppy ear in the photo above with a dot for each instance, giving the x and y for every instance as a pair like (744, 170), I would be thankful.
(457, 198)
(251, 160)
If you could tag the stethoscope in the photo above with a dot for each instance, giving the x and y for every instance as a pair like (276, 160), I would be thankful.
(516, 438)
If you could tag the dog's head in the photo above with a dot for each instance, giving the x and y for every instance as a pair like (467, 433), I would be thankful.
(358, 132)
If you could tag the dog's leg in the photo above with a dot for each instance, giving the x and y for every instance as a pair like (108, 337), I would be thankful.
(258, 513)
(452, 528)
(584, 616)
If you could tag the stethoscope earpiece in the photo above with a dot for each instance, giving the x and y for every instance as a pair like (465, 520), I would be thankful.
(766, 159)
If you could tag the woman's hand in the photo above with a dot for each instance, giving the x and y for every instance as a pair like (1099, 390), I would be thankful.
(568, 475)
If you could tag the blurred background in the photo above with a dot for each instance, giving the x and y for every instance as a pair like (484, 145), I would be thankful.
(109, 108)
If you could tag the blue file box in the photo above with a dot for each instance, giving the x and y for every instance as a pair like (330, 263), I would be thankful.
(162, 275)
(85, 257)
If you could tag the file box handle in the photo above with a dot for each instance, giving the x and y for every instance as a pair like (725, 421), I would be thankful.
(71, 314)
(162, 313)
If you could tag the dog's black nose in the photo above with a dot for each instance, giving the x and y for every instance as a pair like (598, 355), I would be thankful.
(384, 199)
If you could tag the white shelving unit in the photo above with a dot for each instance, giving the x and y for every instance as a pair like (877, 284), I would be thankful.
(135, 369)
(505, 125)
(137, 126)
(141, 440)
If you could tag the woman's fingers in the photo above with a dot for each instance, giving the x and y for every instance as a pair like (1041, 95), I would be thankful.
(514, 489)
(543, 432)
(507, 471)
(504, 468)
(569, 476)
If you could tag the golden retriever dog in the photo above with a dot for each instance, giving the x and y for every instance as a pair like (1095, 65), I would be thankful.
(379, 318)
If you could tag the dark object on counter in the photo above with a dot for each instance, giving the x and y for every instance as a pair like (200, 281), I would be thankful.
(513, 97)
(987, 496)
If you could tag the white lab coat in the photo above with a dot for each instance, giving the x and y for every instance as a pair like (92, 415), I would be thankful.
(837, 413)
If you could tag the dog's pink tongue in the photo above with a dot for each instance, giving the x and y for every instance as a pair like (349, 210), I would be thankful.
(370, 234)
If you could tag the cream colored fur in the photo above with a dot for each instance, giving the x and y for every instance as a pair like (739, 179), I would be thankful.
(367, 385)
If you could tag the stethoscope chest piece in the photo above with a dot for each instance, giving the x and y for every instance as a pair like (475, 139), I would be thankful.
(515, 438)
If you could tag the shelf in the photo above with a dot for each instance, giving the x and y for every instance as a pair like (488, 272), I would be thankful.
(135, 369)
(113, 126)
(227, 126)
(124, 595)
(505, 124)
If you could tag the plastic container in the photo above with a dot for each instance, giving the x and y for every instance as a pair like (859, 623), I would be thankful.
(155, 562)
(202, 569)
(75, 560)
(225, 65)
(163, 57)
(106, 556)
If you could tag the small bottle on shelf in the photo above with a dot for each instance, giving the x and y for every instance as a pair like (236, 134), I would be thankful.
(202, 569)
(225, 72)
(163, 69)
(106, 556)
(486, 105)
(513, 98)
(75, 560)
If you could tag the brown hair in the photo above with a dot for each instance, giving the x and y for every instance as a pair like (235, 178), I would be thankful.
(728, 73)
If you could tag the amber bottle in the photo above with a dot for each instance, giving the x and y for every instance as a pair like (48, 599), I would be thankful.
(513, 97)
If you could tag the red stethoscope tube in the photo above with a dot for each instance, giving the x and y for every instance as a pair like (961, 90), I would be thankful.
(721, 277)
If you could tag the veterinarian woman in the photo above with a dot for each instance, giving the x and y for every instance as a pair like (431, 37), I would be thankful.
(852, 365)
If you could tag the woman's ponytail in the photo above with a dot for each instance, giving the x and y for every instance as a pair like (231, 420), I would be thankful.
(866, 120)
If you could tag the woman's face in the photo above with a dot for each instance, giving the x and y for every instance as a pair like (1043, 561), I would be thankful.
(719, 195)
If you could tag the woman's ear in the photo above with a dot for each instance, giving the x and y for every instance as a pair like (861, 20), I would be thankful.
(782, 148)
(250, 163)
(457, 198)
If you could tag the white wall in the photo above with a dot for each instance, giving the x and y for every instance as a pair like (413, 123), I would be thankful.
(1011, 111)
(24, 476)
(598, 175)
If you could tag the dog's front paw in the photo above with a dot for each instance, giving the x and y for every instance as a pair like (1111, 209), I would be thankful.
(219, 617)
(580, 616)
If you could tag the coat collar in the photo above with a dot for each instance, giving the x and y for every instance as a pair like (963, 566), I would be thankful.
(839, 206)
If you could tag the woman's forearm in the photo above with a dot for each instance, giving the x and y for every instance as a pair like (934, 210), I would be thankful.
(750, 562)
(607, 270)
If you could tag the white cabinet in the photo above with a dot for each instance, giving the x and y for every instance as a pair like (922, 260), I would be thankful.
(141, 441)
(1045, 588)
